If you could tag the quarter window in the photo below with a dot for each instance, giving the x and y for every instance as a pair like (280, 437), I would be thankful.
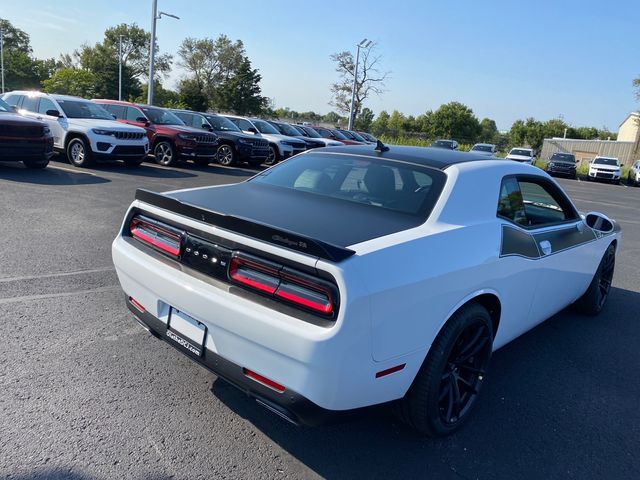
(30, 104)
(14, 100)
(133, 114)
(533, 203)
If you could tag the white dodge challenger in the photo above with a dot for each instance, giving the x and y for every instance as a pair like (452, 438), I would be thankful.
(353, 276)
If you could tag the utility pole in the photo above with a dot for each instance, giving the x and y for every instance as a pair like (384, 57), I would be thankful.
(2, 55)
(120, 70)
(155, 16)
(363, 44)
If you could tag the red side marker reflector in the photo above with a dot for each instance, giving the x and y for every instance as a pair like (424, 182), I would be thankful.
(264, 380)
(389, 371)
(137, 304)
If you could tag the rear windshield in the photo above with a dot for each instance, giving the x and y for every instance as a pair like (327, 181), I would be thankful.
(388, 185)
(482, 148)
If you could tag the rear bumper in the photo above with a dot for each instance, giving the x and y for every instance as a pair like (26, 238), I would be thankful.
(289, 405)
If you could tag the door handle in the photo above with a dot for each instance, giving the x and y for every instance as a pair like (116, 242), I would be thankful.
(545, 247)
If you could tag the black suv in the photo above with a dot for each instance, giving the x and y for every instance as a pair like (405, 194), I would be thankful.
(234, 145)
(562, 164)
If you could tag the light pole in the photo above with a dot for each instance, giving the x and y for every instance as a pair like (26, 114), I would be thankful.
(120, 70)
(363, 44)
(155, 16)
(2, 55)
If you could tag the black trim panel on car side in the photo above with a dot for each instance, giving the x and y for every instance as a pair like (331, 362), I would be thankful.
(519, 242)
(266, 233)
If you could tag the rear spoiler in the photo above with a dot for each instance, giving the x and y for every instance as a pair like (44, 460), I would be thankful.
(250, 228)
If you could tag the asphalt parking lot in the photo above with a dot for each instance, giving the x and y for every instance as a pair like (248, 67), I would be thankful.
(85, 393)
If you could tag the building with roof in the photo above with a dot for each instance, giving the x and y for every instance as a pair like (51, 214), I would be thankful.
(629, 130)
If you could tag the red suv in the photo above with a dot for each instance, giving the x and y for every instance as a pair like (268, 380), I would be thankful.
(24, 139)
(169, 138)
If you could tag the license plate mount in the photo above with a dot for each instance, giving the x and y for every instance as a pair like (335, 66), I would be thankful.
(186, 332)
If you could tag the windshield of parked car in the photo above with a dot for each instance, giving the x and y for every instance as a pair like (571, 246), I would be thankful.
(4, 107)
(339, 135)
(83, 109)
(221, 124)
(288, 130)
(265, 127)
(519, 151)
(406, 188)
(442, 144)
(311, 132)
(606, 161)
(159, 116)
(482, 148)
(563, 157)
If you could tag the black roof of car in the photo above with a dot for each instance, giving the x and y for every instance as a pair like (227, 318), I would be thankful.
(428, 156)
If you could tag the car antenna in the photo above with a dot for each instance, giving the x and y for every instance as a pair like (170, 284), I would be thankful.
(381, 147)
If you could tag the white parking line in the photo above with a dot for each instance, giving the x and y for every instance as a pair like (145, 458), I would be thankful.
(25, 298)
(59, 274)
(71, 170)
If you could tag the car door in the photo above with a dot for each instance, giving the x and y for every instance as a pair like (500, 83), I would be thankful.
(55, 123)
(566, 256)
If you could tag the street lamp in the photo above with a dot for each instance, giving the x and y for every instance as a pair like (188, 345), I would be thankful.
(363, 44)
(2, 55)
(120, 69)
(155, 16)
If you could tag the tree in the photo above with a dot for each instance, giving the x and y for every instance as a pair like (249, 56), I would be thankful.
(21, 70)
(71, 81)
(396, 124)
(332, 117)
(364, 120)
(192, 96)
(370, 79)
(211, 63)
(488, 131)
(240, 93)
(380, 125)
(162, 97)
(455, 120)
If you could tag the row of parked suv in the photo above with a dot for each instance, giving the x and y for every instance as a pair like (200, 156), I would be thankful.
(87, 130)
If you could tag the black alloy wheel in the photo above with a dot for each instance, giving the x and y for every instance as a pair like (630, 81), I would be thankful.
(446, 388)
(594, 299)
(226, 155)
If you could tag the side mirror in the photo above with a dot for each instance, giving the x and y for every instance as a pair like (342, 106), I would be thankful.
(53, 113)
(252, 130)
(206, 126)
(599, 221)
(114, 116)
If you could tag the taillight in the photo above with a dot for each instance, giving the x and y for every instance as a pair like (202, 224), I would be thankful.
(159, 236)
(293, 287)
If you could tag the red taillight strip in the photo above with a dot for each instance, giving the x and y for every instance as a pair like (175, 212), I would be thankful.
(263, 380)
(137, 304)
(391, 370)
(283, 283)
(158, 237)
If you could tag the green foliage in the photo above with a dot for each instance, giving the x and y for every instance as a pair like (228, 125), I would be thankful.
(333, 117)
(455, 120)
(364, 120)
(380, 125)
(71, 81)
(240, 93)
(162, 97)
(192, 96)
(488, 131)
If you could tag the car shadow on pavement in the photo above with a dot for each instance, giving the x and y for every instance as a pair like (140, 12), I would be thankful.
(144, 170)
(557, 402)
(48, 176)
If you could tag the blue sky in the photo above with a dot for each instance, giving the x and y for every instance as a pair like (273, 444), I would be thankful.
(506, 59)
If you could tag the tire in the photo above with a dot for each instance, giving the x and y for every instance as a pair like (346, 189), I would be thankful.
(594, 299)
(274, 156)
(36, 164)
(226, 155)
(164, 153)
(78, 154)
(455, 366)
(133, 162)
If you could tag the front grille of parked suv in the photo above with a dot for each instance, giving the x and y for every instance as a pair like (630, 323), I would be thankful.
(22, 131)
(205, 139)
(129, 135)
(260, 143)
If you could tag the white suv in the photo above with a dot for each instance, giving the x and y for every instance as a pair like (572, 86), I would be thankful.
(604, 168)
(81, 129)
(280, 146)
(522, 155)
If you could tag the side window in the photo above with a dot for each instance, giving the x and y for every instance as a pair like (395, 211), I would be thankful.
(46, 105)
(244, 125)
(510, 204)
(14, 100)
(30, 104)
(185, 117)
(118, 110)
(200, 122)
(532, 203)
(133, 114)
